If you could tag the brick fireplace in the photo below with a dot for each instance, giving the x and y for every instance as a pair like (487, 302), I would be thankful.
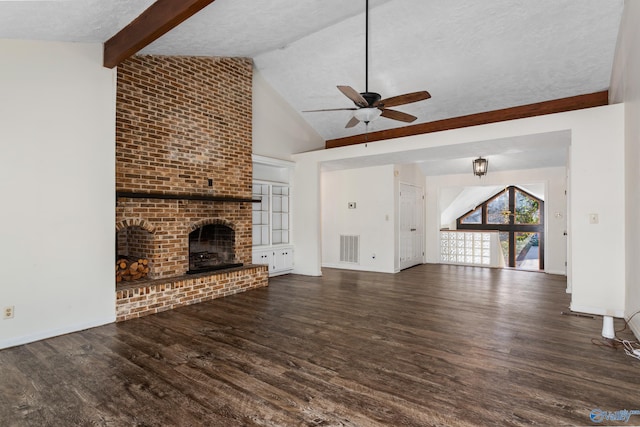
(183, 180)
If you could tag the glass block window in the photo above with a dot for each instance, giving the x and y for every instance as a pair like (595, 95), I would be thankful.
(465, 247)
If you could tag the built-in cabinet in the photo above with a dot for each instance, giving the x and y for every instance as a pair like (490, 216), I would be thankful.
(260, 211)
(279, 214)
(279, 259)
(270, 224)
(271, 219)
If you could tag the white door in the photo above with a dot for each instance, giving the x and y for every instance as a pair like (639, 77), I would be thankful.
(411, 228)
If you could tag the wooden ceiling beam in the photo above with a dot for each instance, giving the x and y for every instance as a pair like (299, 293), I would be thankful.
(596, 99)
(156, 20)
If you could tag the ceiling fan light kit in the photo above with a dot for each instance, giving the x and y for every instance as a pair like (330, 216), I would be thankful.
(367, 114)
(370, 105)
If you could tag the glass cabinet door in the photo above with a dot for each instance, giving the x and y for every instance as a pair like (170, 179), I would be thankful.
(260, 214)
(270, 222)
(280, 214)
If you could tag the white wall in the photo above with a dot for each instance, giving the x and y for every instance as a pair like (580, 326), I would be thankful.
(57, 169)
(306, 223)
(376, 193)
(372, 189)
(597, 186)
(279, 130)
(625, 87)
(409, 174)
(554, 180)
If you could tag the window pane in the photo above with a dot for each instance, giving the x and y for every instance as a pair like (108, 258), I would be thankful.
(527, 251)
(498, 209)
(474, 217)
(504, 243)
(527, 209)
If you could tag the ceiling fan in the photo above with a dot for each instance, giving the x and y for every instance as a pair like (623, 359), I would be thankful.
(370, 105)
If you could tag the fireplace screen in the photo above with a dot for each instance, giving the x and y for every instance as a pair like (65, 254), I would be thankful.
(211, 247)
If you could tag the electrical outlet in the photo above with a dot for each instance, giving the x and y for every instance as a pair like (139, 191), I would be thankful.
(7, 312)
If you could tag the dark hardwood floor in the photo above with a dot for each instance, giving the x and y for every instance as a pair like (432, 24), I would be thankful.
(432, 345)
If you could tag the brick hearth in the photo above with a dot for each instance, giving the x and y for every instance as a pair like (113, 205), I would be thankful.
(150, 297)
(183, 129)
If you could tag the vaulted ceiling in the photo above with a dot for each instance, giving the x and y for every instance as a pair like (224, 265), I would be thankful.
(472, 56)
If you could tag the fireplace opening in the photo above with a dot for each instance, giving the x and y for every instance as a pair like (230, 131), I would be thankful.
(211, 247)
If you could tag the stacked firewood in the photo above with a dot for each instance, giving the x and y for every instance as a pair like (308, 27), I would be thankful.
(129, 269)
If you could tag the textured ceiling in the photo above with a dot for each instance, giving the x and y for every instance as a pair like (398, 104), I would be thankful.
(88, 21)
(472, 56)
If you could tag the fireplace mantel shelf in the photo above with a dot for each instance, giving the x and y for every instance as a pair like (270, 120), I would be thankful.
(134, 195)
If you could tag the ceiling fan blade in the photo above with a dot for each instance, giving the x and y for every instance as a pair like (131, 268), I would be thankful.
(330, 109)
(407, 98)
(353, 95)
(398, 115)
(351, 123)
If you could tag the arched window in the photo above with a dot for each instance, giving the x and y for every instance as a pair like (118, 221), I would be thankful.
(519, 217)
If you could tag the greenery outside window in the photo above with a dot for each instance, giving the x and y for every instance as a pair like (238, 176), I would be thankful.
(519, 217)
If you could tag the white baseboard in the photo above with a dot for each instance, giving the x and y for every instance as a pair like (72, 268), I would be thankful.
(355, 267)
(599, 311)
(12, 342)
(303, 272)
(556, 272)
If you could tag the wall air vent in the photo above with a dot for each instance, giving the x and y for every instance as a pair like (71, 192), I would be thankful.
(350, 249)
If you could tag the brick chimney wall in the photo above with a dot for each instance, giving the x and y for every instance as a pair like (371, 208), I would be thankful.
(180, 122)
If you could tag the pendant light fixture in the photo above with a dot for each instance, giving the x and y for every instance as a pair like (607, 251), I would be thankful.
(480, 167)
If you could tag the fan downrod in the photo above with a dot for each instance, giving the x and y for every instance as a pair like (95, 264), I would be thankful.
(370, 105)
